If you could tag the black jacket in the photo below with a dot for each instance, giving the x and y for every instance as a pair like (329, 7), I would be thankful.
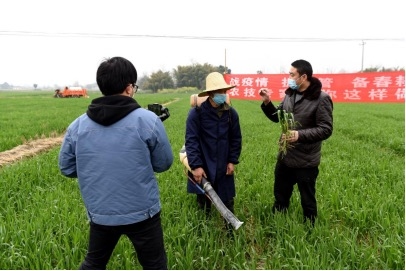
(314, 113)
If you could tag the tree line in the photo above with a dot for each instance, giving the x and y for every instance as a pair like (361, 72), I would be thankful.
(183, 76)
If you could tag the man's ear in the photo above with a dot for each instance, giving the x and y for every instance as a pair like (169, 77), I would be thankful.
(305, 77)
(128, 90)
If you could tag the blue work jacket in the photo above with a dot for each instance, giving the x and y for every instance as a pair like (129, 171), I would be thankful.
(115, 165)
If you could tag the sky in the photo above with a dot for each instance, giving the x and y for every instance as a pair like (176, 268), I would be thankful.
(62, 43)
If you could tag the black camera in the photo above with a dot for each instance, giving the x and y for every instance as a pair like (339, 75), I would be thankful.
(159, 110)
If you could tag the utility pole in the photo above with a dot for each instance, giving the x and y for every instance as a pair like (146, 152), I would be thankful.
(225, 60)
(362, 59)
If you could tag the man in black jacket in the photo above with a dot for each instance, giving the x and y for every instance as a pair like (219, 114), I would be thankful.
(312, 110)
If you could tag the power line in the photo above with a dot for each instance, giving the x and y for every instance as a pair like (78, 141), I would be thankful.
(223, 38)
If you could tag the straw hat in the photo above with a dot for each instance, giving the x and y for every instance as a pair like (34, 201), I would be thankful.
(214, 81)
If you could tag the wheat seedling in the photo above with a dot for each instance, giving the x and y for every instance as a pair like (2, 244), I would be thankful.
(287, 123)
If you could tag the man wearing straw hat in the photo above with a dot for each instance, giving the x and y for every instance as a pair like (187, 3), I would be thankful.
(213, 143)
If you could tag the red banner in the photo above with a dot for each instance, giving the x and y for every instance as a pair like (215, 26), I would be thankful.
(345, 87)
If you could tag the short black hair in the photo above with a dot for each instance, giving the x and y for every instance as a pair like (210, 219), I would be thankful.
(114, 75)
(303, 67)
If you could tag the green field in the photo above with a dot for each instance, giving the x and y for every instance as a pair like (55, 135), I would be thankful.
(360, 191)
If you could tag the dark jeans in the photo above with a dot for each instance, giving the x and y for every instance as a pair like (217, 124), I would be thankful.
(146, 237)
(305, 178)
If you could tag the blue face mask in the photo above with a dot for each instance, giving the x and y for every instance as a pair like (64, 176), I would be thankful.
(292, 83)
(219, 98)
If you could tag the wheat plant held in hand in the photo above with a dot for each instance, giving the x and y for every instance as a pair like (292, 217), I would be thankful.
(287, 123)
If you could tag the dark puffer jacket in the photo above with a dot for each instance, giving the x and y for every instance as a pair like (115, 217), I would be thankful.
(314, 113)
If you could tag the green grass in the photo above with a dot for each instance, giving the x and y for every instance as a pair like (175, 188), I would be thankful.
(360, 192)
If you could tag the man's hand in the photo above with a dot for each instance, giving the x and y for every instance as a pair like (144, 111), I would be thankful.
(230, 169)
(264, 93)
(291, 136)
(198, 173)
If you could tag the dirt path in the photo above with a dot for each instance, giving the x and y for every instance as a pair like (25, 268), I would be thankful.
(29, 149)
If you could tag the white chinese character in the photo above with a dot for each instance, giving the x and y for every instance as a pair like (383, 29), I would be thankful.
(233, 92)
(382, 81)
(400, 81)
(379, 94)
(326, 82)
(285, 83)
(249, 92)
(235, 81)
(400, 94)
(352, 94)
(261, 82)
(282, 93)
(247, 82)
(359, 82)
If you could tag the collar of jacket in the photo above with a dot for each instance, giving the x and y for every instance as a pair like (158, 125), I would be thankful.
(311, 93)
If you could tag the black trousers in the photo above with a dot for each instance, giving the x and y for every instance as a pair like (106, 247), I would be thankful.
(305, 178)
(146, 237)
